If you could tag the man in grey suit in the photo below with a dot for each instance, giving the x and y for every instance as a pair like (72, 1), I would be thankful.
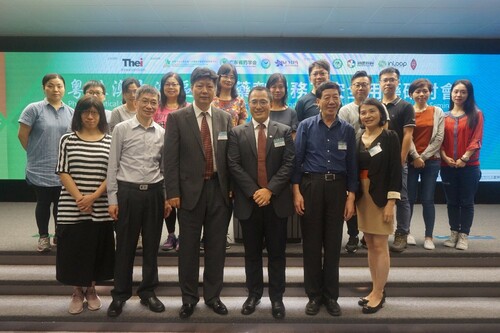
(261, 161)
(197, 184)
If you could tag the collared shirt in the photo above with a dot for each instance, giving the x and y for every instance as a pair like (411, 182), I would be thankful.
(47, 126)
(256, 130)
(323, 149)
(199, 117)
(402, 115)
(135, 156)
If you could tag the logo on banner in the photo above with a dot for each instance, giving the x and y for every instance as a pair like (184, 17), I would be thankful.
(239, 62)
(365, 63)
(265, 63)
(133, 63)
(382, 64)
(351, 63)
(337, 63)
(286, 63)
(413, 64)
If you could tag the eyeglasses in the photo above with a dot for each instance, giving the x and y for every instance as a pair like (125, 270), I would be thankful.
(202, 86)
(360, 85)
(151, 102)
(261, 102)
(92, 113)
(228, 77)
(319, 73)
(94, 92)
(389, 79)
(171, 85)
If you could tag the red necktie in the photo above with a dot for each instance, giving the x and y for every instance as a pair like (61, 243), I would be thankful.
(207, 147)
(261, 157)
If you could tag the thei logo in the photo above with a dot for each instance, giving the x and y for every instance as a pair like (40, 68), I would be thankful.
(133, 63)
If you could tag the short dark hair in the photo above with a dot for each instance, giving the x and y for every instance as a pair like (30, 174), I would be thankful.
(320, 63)
(181, 99)
(361, 74)
(327, 85)
(226, 69)
(147, 89)
(275, 78)
(260, 88)
(86, 103)
(381, 109)
(93, 83)
(126, 83)
(419, 83)
(389, 70)
(51, 76)
(203, 73)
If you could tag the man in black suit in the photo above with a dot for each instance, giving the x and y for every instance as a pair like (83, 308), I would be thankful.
(261, 155)
(197, 183)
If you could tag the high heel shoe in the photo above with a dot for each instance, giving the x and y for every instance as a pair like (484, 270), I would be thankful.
(362, 301)
(372, 309)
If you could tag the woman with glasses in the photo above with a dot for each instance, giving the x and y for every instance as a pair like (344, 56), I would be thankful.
(424, 161)
(41, 125)
(280, 111)
(127, 110)
(460, 172)
(86, 244)
(226, 94)
(173, 97)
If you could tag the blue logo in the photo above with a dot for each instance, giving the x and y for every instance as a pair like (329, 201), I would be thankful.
(265, 63)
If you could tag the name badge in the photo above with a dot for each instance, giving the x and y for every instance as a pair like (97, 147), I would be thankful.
(279, 142)
(222, 136)
(342, 145)
(375, 150)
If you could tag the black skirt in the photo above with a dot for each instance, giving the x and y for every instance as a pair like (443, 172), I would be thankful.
(85, 253)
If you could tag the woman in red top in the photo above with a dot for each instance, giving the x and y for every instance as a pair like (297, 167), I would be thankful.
(173, 97)
(460, 172)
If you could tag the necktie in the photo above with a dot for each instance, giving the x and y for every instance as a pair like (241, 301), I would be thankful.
(207, 147)
(261, 157)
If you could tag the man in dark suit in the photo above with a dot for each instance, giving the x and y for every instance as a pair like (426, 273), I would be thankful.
(261, 155)
(197, 183)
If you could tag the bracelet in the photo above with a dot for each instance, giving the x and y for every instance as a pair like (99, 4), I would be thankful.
(465, 160)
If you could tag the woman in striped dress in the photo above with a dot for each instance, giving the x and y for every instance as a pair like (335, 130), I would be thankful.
(86, 246)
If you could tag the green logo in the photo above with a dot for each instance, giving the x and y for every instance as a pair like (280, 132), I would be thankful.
(337, 63)
(382, 64)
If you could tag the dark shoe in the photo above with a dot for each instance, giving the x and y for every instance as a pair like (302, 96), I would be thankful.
(154, 304)
(312, 307)
(352, 245)
(362, 301)
(372, 309)
(218, 307)
(186, 310)
(115, 308)
(333, 307)
(400, 242)
(249, 305)
(278, 309)
(363, 243)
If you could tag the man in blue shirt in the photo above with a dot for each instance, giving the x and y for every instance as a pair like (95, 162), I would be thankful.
(325, 181)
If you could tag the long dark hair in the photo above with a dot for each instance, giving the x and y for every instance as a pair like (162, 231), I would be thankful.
(470, 106)
(86, 103)
(275, 78)
(226, 69)
(181, 99)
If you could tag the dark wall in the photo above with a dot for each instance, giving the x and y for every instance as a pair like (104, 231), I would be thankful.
(19, 191)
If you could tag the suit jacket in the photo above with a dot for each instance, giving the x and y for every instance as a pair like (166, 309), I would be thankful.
(242, 160)
(385, 168)
(185, 157)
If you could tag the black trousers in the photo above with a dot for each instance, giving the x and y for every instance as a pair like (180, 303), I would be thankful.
(352, 226)
(138, 211)
(264, 223)
(212, 214)
(170, 221)
(322, 225)
(46, 196)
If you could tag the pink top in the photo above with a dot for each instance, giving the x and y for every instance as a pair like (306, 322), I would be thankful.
(161, 115)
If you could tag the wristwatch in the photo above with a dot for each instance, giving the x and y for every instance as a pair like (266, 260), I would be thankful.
(465, 158)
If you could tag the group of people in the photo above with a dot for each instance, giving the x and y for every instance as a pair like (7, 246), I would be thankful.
(158, 158)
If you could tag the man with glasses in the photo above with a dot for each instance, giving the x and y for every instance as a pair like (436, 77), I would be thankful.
(97, 89)
(360, 88)
(402, 121)
(136, 200)
(198, 186)
(319, 72)
(260, 158)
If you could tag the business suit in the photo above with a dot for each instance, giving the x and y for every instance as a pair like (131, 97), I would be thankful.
(267, 221)
(204, 203)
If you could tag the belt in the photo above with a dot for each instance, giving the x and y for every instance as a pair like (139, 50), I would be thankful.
(214, 176)
(140, 187)
(327, 177)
